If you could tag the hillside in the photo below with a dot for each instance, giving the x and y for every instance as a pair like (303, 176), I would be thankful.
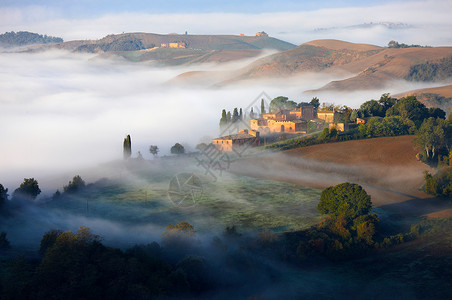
(314, 56)
(366, 66)
(386, 167)
(197, 49)
(440, 96)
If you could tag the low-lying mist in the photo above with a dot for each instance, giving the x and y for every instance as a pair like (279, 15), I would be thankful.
(62, 112)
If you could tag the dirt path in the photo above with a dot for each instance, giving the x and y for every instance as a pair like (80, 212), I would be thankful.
(386, 168)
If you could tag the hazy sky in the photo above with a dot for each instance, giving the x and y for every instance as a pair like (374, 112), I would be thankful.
(296, 21)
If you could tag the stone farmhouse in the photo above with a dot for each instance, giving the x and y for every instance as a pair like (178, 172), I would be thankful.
(284, 120)
(234, 142)
(173, 45)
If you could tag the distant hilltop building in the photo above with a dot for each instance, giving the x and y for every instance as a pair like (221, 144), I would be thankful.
(242, 34)
(174, 45)
(235, 141)
(262, 33)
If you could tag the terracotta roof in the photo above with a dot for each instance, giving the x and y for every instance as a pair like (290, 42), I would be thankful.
(236, 137)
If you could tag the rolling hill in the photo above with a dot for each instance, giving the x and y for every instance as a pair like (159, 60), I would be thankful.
(198, 48)
(366, 66)
(440, 96)
(386, 167)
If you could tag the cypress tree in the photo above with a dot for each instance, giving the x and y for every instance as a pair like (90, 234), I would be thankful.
(228, 117)
(241, 114)
(235, 115)
(251, 113)
(262, 107)
(223, 120)
(127, 147)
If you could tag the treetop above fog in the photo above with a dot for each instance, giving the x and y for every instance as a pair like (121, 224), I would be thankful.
(348, 200)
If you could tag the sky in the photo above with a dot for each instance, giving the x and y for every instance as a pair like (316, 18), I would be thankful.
(426, 21)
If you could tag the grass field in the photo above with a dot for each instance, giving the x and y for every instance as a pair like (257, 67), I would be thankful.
(141, 197)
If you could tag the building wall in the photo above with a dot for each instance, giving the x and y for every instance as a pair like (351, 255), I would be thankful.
(339, 126)
(327, 116)
(224, 145)
(304, 113)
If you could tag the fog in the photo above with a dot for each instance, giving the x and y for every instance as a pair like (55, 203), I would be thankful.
(426, 22)
(64, 112)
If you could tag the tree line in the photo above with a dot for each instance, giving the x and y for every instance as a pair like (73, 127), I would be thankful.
(23, 38)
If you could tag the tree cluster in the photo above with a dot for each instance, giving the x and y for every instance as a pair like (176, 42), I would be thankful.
(23, 38)
(78, 266)
(395, 44)
(431, 71)
(439, 184)
(228, 118)
(121, 44)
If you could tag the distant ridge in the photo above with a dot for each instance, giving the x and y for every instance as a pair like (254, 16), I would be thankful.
(141, 46)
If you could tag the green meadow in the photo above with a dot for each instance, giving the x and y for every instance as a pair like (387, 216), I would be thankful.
(139, 194)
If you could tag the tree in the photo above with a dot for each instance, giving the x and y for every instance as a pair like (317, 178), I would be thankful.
(181, 235)
(347, 200)
(224, 119)
(251, 113)
(127, 147)
(433, 136)
(372, 108)
(354, 115)
(315, 102)
(177, 149)
(154, 150)
(4, 243)
(282, 102)
(387, 102)
(74, 186)
(235, 115)
(228, 117)
(436, 112)
(201, 146)
(29, 188)
(409, 108)
(241, 114)
(3, 195)
(262, 107)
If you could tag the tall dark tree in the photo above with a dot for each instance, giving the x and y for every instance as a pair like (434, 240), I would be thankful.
(251, 113)
(29, 188)
(228, 117)
(3, 195)
(241, 114)
(262, 107)
(315, 102)
(127, 147)
(224, 118)
(235, 115)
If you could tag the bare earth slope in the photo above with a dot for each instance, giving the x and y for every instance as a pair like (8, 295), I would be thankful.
(364, 66)
(385, 167)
